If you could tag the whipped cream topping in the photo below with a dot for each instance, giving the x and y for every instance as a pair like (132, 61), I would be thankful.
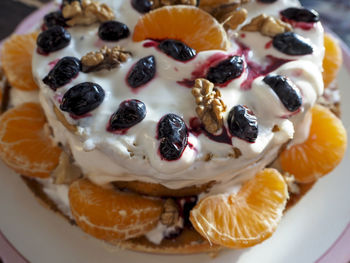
(105, 156)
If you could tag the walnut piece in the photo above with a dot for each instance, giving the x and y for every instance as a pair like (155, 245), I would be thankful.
(160, 3)
(86, 13)
(267, 26)
(170, 214)
(210, 106)
(66, 172)
(105, 58)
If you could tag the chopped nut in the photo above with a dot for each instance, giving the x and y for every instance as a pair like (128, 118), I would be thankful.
(237, 152)
(66, 172)
(210, 106)
(292, 185)
(160, 3)
(105, 58)
(236, 18)
(276, 128)
(208, 157)
(170, 214)
(267, 26)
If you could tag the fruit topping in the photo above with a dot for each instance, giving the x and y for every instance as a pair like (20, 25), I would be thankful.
(292, 44)
(54, 19)
(177, 49)
(129, 113)
(25, 146)
(16, 60)
(301, 15)
(322, 151)
(142, 6)
(226, 70)
(332, 61)
(286, 90)
(267, 1)
(188, 24)
(82, 98)
(142, 72)
(53, 39)
(113, 31)
(243, 123)
(244, 219)
(63, 72)
(173, 135)
(111, 215)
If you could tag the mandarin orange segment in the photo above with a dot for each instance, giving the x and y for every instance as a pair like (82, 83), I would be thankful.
(189, 24)
(321, 152)
(244, 219)
(332, 61)
(16, 59)
(111, 215)
(25, 146)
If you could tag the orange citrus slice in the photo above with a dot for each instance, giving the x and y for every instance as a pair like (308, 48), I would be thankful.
(112, 215)
(189, 24)
(244, 219)
(332, 61)
(24, 145)
(16, 59)
(321, 152)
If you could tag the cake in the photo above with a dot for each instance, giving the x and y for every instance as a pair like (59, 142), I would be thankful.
(173, 126)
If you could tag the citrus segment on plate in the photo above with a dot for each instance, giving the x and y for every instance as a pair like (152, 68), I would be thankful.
(16, 59)
(321, 152)
(244, 219)
(189, 24)
(332, 61)
(25, 145)
(112, 215)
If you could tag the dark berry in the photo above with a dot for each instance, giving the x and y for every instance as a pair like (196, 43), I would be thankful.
(292, 44)
(188, 205)
(226, 70)
(173, 232)
(65, 2)
(54, 19)
(82, 98)
(243, 123)
(285, 90)
(53, 39)
(172, 133)
(142, 6)
(129, 113)
(267, 1)
(66, 69)
(177, 50)
(301, 15)
(142, 72)
(113, 31)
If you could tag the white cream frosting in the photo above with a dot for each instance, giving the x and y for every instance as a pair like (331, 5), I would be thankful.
(105, 157)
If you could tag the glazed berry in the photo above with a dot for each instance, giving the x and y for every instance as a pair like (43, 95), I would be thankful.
(129, 113)
(65, 2)
(142, 6)
(53, 39)
(172, 133)
(189, 204)
(226, 70)
(63, 72)
(301, 15)
(177, 49)
(173, 232)
(142, 72)
(113, 31)
(267, 1)
(54, 19)
(82, 98)
(292, 44)
(242, 123)
(285, 90)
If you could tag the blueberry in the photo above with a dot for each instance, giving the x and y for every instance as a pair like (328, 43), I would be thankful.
(54, 19)
(177, 49)
(243, 123)
(142, 6)
(292, 44)
(190, 202)
(113, 31)
(66, 69)
(173, 135)
(65, 2)
(173, 232)
(285, 90)
(301, 14)
(226, 70)
(129, 113)
(82, 98)
(267, 1)
(53, 39)
(142, 72)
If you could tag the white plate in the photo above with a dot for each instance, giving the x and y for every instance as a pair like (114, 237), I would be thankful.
(306, 233)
